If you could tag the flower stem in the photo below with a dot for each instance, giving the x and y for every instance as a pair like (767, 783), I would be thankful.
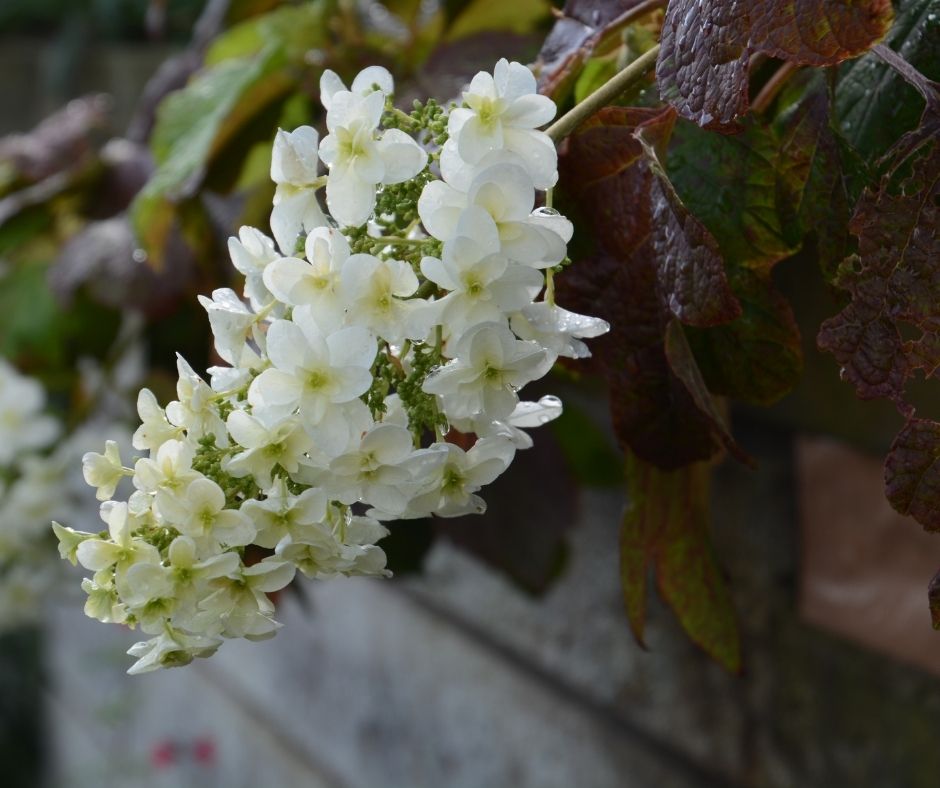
(601, 97)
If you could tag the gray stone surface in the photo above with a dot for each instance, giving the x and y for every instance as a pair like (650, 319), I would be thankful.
(458, 679)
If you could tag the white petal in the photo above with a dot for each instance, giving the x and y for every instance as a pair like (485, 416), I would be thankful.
(476, 139)
(352, 347)
(530, 111)
(513, 80)
(330, 83)
(369, 77)
(439, 207)
(349, 198)
(403, 157)
(294, 157)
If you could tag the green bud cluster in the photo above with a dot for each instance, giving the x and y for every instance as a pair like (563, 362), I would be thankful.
(420, 406)
(208, 462)
(427, 120)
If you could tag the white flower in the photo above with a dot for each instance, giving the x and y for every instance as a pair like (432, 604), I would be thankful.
(103, 603)
(173, 648)
(557, 329)
(502, 112)
(171, 468)
(504, 196)
(374, 290)
(22, 428)
(484, 286)
(103, 471)
(375, 472)
(154, 429)
(122, 550)
(266, 444)
(312, 371)
(525, 416)
(359, 159)
(231, 322)
(452, 481)
(490, 366)
(69, 540)
(240, 607)
(196, 409)
(155, 593)
(251, 253)
(316, 281)
(199, 512)
(284, 515)
(294, 170)
(366, 81)
(343, 546)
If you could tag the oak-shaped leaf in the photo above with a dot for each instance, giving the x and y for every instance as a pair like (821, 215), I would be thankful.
(758, 357)
(684, 366)
(762, 191)
(894, 282)
(665, 528)
(874, 103)
(651, 262)
(912, 472)
(934, 595)
(707, 45)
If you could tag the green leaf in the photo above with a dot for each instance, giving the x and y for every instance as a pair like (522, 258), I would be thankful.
(521, 16)
(758, 357)
(665, 527)
(732, 184)
(294, 29)
(874, 105)
(192, 125)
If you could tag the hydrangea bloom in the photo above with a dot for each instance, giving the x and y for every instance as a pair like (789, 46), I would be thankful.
(40, 480)
(415, 311)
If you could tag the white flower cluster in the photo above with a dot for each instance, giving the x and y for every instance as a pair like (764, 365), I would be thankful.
(37, 484)
(368, 339)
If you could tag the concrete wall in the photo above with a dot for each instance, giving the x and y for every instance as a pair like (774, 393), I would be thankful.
(457, 679)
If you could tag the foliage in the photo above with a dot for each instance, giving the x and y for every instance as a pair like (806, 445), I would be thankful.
(684, 220)
(787, 128)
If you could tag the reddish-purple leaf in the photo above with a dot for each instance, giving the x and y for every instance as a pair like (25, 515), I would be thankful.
(933, 593)
(702, 66)
(666, 526)
(818, 32)
(582, 26)
(757, 358)
(653, 413)
(652, 262)
(912, 472)
(707, 44)
(894, 281)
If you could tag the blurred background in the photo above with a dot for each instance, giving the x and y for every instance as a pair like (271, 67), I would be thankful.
(135, 138)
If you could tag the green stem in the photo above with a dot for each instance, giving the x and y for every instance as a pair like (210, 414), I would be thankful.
(404, 117)
(392, 240)
(604, 95)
